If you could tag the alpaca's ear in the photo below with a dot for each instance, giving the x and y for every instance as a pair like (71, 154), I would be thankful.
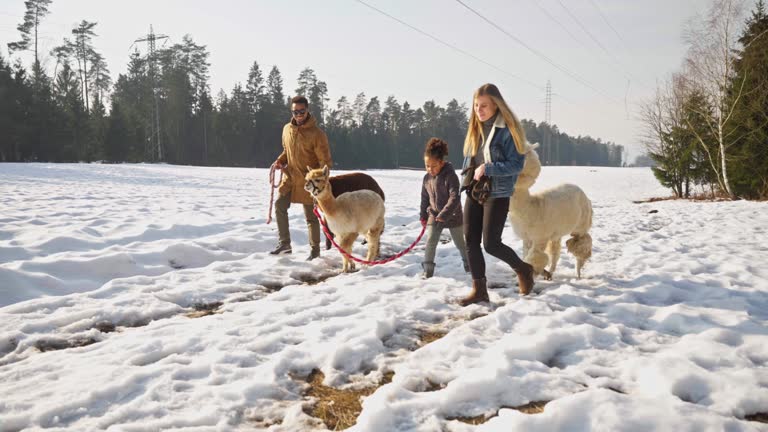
(308, 168)
(325, 170)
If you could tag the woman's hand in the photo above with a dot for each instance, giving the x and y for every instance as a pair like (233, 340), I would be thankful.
(479, 172)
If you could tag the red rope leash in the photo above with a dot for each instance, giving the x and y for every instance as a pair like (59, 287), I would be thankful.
(272, 187)
(316, 210)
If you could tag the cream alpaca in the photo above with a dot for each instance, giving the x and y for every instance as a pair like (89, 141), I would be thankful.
(349, 214)
(543, 218)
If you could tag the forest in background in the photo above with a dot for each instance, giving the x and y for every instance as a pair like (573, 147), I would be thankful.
(162, 110)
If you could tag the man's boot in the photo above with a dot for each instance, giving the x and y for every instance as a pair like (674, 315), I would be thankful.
(479, 293)
(315, 253)
(429, 269)
(525, 278)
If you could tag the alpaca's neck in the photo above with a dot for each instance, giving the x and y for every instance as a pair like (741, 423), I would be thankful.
(326, 201)
(522, 199)
(521, 195)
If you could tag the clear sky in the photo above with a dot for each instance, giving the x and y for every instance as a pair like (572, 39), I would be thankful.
(604, 56)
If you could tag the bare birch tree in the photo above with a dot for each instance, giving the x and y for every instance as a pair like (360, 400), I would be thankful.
(662, 116)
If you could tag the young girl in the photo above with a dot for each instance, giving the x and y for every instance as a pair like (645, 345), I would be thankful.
(440, 204)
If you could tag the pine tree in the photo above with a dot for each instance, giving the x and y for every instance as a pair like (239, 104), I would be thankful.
(72, 133)
(82, 46)
(749, 164)
(36, 11)
(119, 136)
(315, 91)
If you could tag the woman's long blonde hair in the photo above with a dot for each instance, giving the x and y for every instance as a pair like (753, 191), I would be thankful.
(475, 131)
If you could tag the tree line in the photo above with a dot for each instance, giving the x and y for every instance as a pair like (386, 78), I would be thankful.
(162, 110)
(707, 126)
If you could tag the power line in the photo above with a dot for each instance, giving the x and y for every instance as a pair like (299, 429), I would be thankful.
(548, 120)
(596, 41)
(562, 26)
(453, 47)
(548, 104)
(540, 55)
(605, 18)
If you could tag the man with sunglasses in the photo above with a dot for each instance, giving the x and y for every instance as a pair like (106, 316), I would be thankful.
(304, 145)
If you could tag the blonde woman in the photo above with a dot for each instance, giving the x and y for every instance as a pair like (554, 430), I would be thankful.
(494, 148)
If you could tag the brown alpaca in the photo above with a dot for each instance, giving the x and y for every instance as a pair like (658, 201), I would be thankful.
(351, 182)
(351, 214)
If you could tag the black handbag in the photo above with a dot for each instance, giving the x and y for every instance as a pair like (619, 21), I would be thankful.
(479, 190)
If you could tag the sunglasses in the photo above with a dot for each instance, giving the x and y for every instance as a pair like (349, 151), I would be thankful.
(299, 112)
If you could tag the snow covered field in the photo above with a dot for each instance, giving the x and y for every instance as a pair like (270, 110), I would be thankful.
(109, 275)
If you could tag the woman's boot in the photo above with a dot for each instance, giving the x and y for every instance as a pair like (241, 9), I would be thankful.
(525, 278)
(479, 293)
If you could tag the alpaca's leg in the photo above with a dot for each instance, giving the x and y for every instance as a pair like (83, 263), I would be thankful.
(537, 258)
(379, 232)
(328, 243)
(373, 246)
(374, 243)
(585, 253)
(580, 245)
(350, 245)
(347, 240)
(527, 244)
(553, 250)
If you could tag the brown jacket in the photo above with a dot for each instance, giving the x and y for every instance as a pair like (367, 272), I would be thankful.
(440, 197)
(303, 146)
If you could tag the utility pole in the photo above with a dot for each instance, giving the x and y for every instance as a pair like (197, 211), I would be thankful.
(548, 121)
(156, 151)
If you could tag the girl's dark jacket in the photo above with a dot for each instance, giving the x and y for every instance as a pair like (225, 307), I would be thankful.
(440, 197)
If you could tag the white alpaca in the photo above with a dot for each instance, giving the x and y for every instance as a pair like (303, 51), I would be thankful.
(349, 214)
(543, 218)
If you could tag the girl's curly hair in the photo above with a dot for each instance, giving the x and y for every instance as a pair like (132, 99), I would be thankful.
(436, 149)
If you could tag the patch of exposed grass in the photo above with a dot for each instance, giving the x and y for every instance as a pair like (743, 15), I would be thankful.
(272, 286)
(758, 417)
(476, 420)
(388, 375)
(700, 196)
(535, 407)
(45, 345)
(204, 309)
(654, 199)
(433, 386)
(261, 422)
(427, 336)
(338, 409)
(105, 327)
(314, 280)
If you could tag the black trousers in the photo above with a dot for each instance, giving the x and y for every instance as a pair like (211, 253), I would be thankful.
(486, 223)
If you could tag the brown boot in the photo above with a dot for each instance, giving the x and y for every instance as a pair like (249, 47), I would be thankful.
(525, 279)
(479, 293)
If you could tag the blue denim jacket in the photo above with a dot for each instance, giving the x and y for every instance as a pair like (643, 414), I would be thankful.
(505, 164)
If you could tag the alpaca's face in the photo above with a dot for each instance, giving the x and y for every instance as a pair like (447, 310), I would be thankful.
(530, 172)
(316, 181)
